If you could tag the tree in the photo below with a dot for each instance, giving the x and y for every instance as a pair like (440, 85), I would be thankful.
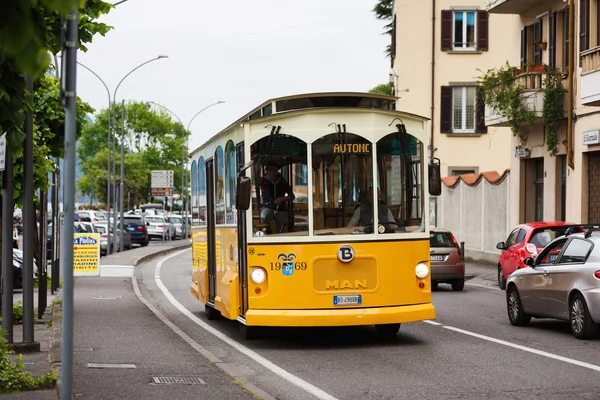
(384, 88)
(384, 10)
(152, 141)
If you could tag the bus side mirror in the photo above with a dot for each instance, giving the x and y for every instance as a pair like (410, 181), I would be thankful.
(244, 193)
(435, 181)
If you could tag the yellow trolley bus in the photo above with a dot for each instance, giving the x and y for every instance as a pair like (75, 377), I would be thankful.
(283, 204)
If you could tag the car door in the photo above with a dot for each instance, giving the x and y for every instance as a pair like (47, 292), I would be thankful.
(511, 257)
(532, 284)
(563, 276)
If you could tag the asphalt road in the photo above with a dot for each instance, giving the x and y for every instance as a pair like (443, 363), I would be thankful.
(470, 352)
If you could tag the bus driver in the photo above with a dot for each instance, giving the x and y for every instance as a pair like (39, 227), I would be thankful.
(275, 191)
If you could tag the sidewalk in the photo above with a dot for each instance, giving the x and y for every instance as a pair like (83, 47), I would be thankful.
(120, 347)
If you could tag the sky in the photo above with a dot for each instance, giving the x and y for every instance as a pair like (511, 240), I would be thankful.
(238, 51)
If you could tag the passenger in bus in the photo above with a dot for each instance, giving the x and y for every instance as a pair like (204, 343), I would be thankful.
(275, 193)
(363, 215)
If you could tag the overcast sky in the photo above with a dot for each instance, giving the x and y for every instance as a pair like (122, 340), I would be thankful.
(243, 52)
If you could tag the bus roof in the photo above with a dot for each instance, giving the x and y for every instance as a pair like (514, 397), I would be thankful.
(310, 101)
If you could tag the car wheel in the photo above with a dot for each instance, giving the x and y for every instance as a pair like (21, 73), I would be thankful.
(458, 286)
(501, 280)
(434, 284)
(516, 314)
(211, 312)
(144, 244)
(582, 325)
(387, 331)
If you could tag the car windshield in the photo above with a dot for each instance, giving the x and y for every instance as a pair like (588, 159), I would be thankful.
(155, 219)
(176, 220)
(542, 237)
(100, 229)
(441, 239)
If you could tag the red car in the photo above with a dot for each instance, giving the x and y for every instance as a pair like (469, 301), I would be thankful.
(514, 249)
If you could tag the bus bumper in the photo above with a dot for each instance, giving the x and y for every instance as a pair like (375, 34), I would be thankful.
(341, 317)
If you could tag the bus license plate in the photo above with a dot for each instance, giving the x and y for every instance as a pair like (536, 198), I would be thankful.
(437, 258)
(347, 300)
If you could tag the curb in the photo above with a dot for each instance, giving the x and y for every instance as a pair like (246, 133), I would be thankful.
(147, 257)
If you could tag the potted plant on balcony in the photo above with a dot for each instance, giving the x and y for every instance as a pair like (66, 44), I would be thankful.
(543, 45)
(503, 94)
(553, 111)
(536, 68)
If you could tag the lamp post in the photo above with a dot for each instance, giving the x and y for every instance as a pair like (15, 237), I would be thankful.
(184, 200)
(122, 183)
(108, 169)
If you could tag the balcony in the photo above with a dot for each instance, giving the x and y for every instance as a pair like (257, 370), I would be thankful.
(509, 6)
(590, 77)
(533, 98)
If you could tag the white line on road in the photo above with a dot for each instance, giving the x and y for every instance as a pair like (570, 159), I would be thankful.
(483, 286)
(527, 349)
(293, 379)
(430, 322)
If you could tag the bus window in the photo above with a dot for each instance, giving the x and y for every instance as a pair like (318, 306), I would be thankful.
(342, 175)
(201, 202)
(280, 186)
(230, 175)
(400, 174)
(219, 186)
(194, 184)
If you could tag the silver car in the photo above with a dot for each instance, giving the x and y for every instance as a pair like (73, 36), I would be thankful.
(562, 282)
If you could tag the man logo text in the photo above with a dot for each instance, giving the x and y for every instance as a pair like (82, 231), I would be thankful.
(358, 284)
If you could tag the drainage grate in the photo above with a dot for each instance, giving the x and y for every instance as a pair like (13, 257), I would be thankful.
(177, 380)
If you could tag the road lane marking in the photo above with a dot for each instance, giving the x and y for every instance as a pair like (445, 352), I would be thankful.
(483, 286)
(593, 367)
(293, 379)
(430, 322)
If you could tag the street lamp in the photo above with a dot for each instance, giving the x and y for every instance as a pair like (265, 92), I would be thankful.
(122, 183)
(184, 191)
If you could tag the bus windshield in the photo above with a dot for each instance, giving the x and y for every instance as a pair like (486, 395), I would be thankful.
(345, 185)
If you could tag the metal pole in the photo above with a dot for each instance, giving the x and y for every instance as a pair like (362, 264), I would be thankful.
(69, 200)
(42, 267)
(7, 251)
(462, 249)
(114, 171)
(122, 186)
(55, 221)
(108, 196)
(28, 222)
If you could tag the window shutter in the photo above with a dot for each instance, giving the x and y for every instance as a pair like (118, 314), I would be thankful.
(446, 110)
(584, 25)
(480, 112)
(566, 39)
(482, 30)
(537, 39)
(447, 30)
(393, 46)
(523, 47)
(552, 40)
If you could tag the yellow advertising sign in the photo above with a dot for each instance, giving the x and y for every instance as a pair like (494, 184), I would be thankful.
(86, 254)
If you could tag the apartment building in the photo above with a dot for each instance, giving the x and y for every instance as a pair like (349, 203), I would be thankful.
(544, 185)
(438, 48)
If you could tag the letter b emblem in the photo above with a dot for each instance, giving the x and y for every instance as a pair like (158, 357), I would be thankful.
(345, 253)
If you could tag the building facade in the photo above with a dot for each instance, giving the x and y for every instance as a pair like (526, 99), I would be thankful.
(545, 183)
(439, 49)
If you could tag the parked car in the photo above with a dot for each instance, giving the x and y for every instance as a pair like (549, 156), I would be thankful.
(136, 226)
(91, 216)
(447, 263)
(562, 282)
(159, 227)
(177, 222)
(514, 249)
(102, 230)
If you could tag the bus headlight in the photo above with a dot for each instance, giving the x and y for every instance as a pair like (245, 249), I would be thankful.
(258, 275)
(422, 271)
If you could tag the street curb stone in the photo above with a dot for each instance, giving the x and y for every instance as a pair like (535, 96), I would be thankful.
(147, 257)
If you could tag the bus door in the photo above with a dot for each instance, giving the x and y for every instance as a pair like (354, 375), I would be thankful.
(210, 223)
(242, 240)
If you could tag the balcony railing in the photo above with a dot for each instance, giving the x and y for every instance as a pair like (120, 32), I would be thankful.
(532, 85)
(590, 60)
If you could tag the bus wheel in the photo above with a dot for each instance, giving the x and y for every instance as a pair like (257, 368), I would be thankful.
(211, 313)
(249, 332)
(387, 331)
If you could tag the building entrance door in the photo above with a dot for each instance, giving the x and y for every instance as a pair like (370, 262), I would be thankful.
(594, 188)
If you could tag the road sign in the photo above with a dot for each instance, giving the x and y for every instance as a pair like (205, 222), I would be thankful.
(162, 179)
(156, 192)
(2, 151)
